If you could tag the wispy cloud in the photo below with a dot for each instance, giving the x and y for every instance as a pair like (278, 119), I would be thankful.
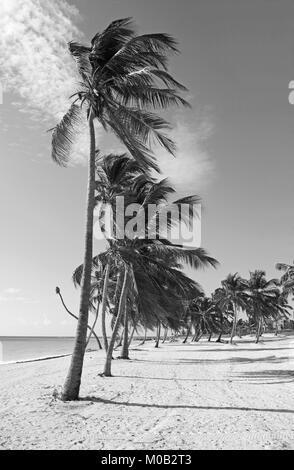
(193, 168)
(34, 58)
(35, 62)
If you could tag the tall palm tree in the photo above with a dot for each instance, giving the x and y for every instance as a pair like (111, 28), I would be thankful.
(232, 296)
(121, 77)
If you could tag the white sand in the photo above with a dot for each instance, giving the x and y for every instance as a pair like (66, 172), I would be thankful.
(203, 396)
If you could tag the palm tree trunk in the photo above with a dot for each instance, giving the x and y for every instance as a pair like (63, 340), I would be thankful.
(199, 335)
(219, 337)
(104, 303)
(72, 384)
(94, 324)
(233, 332)
(76, 318)
(122, 302)
(187, 335)
(132, 335)
(210, 335)
(125, 345)
(258, 330)
(158, 335)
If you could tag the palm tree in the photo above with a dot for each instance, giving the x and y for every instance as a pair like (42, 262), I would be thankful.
(204, 316)
(232, 296)
(120, 174)
(287, 279)
(121, 74)
(263, 299)
(223, 311)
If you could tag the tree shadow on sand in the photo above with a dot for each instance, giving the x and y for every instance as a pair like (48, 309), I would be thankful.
(220, 350)
(269, 377)
(228, 360)
(104, 401)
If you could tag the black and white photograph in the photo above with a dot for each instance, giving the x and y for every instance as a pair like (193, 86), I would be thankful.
(146, 228)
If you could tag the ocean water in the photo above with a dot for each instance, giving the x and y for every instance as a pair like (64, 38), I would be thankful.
(25, 348)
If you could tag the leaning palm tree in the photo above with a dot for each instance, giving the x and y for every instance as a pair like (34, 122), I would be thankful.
(120, 174)
(231, 297)
(121, 78)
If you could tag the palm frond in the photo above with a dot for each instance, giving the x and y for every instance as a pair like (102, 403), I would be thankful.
(81, 55)
(64, 135)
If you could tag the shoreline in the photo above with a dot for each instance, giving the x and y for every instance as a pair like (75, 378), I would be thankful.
(42, 358)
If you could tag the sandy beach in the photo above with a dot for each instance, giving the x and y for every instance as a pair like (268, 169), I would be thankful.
(193, 396)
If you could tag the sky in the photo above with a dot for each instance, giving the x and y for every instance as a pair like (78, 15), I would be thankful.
(235, 147)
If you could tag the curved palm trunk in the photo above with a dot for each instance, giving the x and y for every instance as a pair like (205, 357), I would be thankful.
(158, 335)
(76, 318)
(125, 345)
(233, 332)
(122, 303)
(187, 335)
(104, 303)
(94, 324)
(132, 335)
(73, 380)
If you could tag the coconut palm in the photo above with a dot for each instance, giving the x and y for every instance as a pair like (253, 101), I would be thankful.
(204, 317)
(121, 174)
(231, 297)
(264, 299)
(121, 78)
(223, 310)
(287, 279)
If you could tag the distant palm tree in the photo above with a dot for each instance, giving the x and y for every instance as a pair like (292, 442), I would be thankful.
(232, 296)
(287, 279)
(119, 74)
(264, 299)
(204, 316)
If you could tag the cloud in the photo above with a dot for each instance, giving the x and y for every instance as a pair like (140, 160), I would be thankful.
(193, 168)
(34, 59)
(36, 64)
